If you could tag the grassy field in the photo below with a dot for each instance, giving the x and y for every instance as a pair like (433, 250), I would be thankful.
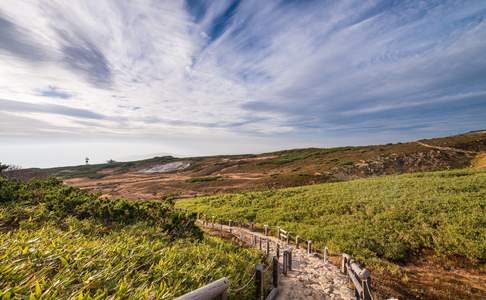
(385, 222)
(58, 242)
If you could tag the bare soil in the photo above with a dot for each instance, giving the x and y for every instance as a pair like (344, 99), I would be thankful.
(226, 174)
(429, 278)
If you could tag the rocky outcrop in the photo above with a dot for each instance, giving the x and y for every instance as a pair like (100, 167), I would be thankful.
(394, 163)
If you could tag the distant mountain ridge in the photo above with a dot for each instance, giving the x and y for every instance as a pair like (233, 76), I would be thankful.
(233, 173)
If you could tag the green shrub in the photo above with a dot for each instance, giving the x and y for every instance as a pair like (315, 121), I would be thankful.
(51, 200)
(382, 219)
(59, 242)
(8, 190)
(131, 262)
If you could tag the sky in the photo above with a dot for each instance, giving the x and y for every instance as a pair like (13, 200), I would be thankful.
(131, 79)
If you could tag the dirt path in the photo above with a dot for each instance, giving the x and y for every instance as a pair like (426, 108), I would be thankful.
(310, 278)
(446, 148)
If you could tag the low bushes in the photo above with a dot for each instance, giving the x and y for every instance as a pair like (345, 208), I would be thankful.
(59, 242)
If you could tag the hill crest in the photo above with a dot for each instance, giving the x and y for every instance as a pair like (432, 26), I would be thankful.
(191, 176)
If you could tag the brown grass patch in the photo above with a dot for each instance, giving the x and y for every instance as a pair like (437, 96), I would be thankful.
(479, 162)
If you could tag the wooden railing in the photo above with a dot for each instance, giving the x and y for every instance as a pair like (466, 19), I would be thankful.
(216, 289)
(358, 276)
(221, 287)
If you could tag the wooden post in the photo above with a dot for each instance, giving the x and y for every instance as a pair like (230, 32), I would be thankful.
(324, 254)
(344, 263)
(290, 258)
(278, 250)
(260, 239)
(275, 272)
(297, 241)
(268, 246)
(309, 247)
(278, 229)
(366, 283)
(288, 234)
(285, 262)
(265, 227)
(197, 216)
(259, 281)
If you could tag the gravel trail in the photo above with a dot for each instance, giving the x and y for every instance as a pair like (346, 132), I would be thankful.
(310, 278)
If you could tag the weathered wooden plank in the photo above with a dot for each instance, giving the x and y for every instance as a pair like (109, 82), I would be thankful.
(273, 294)
(356, 282)
(361, 272)
(207, 292)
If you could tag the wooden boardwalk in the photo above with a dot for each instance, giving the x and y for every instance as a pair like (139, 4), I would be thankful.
(309, 278)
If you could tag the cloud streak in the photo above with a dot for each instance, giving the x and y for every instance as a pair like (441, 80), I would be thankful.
(246, 68)
(24, 107)
(16, 41)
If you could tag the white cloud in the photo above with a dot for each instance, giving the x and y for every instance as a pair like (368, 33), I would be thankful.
(263, 69)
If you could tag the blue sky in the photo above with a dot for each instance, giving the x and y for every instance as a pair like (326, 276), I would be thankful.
(119, 79)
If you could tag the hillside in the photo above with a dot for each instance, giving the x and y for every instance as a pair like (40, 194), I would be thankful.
(186, 177)
(59, 242)
(423, 235)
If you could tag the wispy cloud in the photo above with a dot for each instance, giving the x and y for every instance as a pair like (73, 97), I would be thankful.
(245, 68)
(55, 92)
(17, 41)
(19, 107)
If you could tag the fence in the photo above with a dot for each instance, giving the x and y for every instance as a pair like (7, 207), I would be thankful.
(220, 288)
(358, 276)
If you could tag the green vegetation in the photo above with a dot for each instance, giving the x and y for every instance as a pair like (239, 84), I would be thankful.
(289, 156)
(3, 167)
(379, 220)
(59, 242)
